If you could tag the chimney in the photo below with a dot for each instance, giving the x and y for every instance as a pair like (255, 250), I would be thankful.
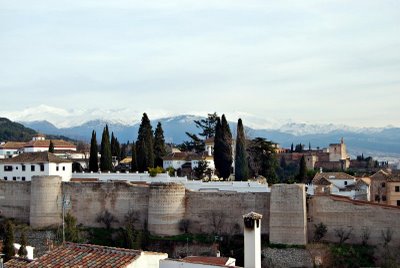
(252, 240)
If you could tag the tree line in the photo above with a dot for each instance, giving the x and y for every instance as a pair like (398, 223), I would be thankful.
(251, 157)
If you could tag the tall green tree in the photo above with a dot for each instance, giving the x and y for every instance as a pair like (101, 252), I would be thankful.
(302, 175)
(262, 159)
(51, 147)
(72, 233)
(22, 252)
(105, 151)
(144, 145)
(223, 148)
(241, 164)
(93, 158)
(8, 242)
(159, 146)
(115, 146)
(134, 158)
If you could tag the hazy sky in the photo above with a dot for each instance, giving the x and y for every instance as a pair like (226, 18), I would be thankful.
(314, 61)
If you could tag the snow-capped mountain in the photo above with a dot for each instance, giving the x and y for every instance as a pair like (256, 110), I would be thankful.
(375, 141)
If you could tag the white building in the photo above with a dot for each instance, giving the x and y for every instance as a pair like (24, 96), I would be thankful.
(339, 183)
(26, 165)
(11, 149)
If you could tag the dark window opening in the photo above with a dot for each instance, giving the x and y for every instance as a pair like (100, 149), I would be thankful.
(5, 178)
(398, 203)
(41, 167)
(63, 168)
(8, 168)
(383, 197)
(14, 178)
(397, 188)
(32, 167)
(23, 178)
(23, 167)
(383, 185)
(377, 198)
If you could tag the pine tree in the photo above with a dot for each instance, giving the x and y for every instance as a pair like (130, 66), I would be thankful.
(93, 158)
(8, 242)
(22, 252)
(223, 148)
(241, 164)
(207, 125)
(159, 146)
(302, 176)
(291, 148)
(144, 145)
(51, 147)
(105, 151)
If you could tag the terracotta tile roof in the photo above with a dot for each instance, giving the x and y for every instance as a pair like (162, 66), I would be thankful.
(220, 261)
(17, 263)
(46, 143)
(38, 157)
(12, 145)
(83, 255)
(178, 156)
(321, 181)
(380, 175)
(333, 176)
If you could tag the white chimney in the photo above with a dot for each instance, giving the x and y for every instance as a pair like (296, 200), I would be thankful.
(252, 240)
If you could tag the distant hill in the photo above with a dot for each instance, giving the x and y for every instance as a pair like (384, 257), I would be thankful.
(12, 131)
(384, 142)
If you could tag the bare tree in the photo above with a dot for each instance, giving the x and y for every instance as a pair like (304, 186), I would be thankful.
(217, 221)
(387, 236)
(107, 218)
(366, 233)
(343, 235)
(184, 225)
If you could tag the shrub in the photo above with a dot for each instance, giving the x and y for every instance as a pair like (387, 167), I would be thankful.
(320, 231)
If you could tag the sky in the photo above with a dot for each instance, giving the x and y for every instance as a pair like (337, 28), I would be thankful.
(269, 61)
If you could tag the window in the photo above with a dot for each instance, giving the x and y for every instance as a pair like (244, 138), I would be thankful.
(377, 197)
(397, 188)
(63, 168)
(8, 168)
(41, 167)
(345, 182)
(14, 178)
(57, 168)
(23, 178)
(398, 203)
(5, 178)
(32, 167)
(383, 197)
(383, 185)
(16, 167)
(23, 167)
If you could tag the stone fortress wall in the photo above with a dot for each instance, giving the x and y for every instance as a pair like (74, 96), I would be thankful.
(164, 205)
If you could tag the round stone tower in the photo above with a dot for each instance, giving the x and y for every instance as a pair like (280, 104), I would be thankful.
(46, 204)
(166, 208)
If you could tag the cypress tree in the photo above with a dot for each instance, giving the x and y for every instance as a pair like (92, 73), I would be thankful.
(93, 158)
(241, 164)
(223, 148)
(133, 163)
(112, 144)
(105, 151)
(302, 176)
(159, 146)
(291, 148)
(22, 252)
(8, 243)
(144, 145)
(51, 147)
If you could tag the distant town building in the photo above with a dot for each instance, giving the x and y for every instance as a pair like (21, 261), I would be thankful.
(24, 166)
(37, 144)
(339, 183)
(385, 188)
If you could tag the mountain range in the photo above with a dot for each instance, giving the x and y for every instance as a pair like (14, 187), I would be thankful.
(383, 143)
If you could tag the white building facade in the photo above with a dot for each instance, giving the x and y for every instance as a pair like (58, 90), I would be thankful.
(24, 166)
